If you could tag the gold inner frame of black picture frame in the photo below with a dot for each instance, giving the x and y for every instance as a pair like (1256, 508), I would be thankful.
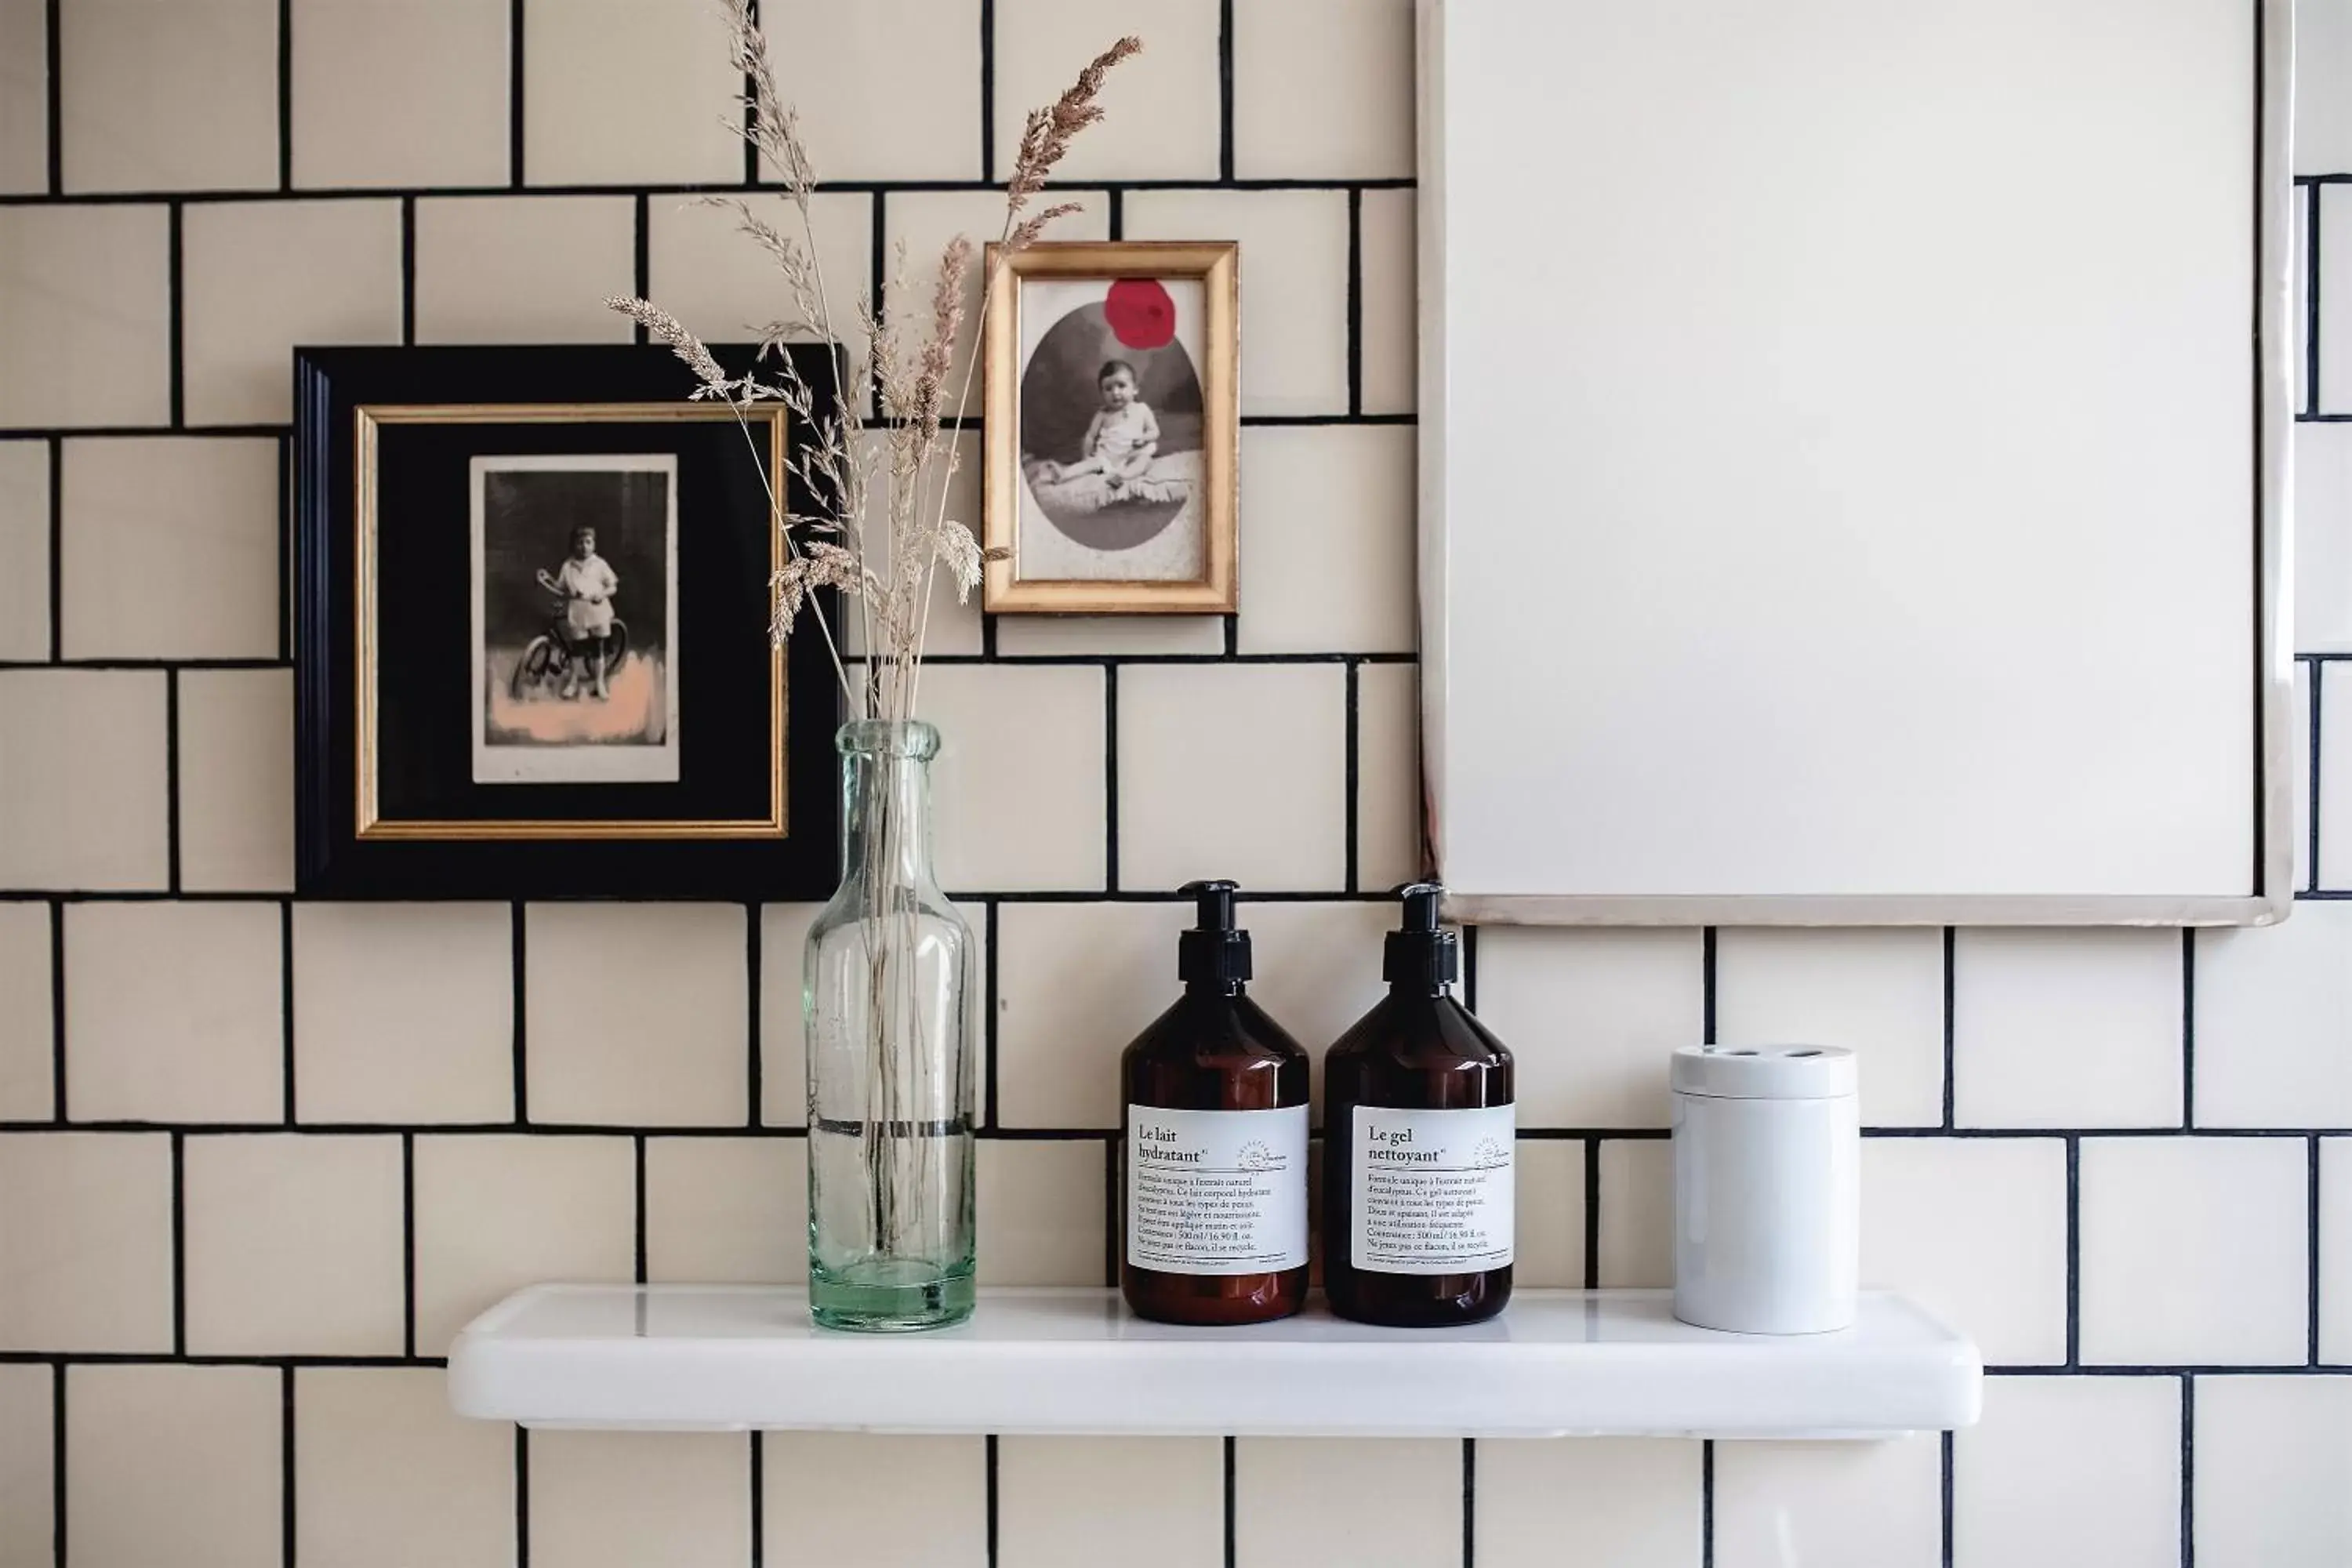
(371, 823)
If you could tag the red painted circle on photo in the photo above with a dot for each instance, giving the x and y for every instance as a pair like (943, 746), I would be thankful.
(1140, 313)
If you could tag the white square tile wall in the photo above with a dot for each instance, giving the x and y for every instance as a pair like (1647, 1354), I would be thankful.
(295, 1128)
(260, 278)
(2064, 1470)
(2066, 1028)
(1307, 1500)
(2195, 1251)
(25, 536)
(400, 95)
(388, 1475)
(145, 518)
(1587, 1503)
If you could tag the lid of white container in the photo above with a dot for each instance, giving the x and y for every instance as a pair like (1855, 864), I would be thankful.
(1764, 1072)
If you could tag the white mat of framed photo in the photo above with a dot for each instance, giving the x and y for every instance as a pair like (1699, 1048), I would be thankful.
(1854, 460)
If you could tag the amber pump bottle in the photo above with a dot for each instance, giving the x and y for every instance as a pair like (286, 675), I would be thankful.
(1418, 1127)
(1215, 1174)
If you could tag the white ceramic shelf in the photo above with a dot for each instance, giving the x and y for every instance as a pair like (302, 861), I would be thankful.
(1558, 1362)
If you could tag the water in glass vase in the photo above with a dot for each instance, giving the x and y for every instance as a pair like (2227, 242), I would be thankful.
(888, 983)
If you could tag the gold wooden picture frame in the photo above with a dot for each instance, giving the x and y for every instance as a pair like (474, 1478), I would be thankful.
(1113, 417)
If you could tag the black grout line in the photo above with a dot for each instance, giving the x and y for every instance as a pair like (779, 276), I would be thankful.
(759, 1498)
(2311, 1226)
(2074, 1251)
(877, 247)
(1232, 639)
(56, 1011)
(521, 959)
(54, 42)
(409, 269)
(1593, 1214)
(1943, 1499)
(1117, 216)
(988, 1029)
(1355, 300)
(2188, 1029)
(1469, 1502)
(642, 217)
(286, 1007)
(1224, 91)
(1706, 1503)
(1707, 984)
(286, 129)
(287, 1536)
(172, 779)
(176, 344)
(1110, 778)
(2187, 1471)
(638, 1148)
(1354, 779)
(2312, 211)
(750, 123)
(514, 94)
(1951, 1017)
(2311, 872)
(58, 546)
(754, 1089)
(179, 1243)
(57, 1543)
(1231, 1480)
(212, 196)
(408, 1245)
(988, 99)
(988, 1461)
(522, 1479)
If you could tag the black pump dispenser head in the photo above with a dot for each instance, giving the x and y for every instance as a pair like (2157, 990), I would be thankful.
(1420, 953)
(1213, 953)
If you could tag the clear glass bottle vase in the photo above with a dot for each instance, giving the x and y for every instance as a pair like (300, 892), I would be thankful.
(889, 979)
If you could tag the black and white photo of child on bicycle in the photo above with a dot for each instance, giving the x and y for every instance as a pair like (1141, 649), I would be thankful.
(574, 614)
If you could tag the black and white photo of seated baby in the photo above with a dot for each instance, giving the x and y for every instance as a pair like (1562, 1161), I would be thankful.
(575, 611)
(1111, 410)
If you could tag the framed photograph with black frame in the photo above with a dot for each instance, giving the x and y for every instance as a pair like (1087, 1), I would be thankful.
(533, 594)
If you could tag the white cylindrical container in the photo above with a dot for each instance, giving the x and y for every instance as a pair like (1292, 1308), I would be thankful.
(1767, 1155)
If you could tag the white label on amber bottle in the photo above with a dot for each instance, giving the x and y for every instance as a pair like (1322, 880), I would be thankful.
(1432, 1190)
(1217, 1192)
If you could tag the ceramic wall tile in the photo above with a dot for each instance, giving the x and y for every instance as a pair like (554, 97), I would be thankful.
(1079, 1502)
(624, 1500)
(147, 516)
(2270, 1470)
(25, 537)
(2066, 1028)
(1596, 1016)
(523, 269)
(1589, 1503)
(1234, 770)
(260, 278)
(818, 1486)
(1160, 108)
(411, 94)
(1975, 1230)
(1323, 88)
(636, 1014)
(1306, 1500)
(85, 315)
(498, 1211)
(829, 60)
(168, 98)
(2064, 1470)
(404, 1012)
(1879, 993)
(27, 1014)
(173, 1464)
(2273, 1019)
(1331, 558)
(94, 815)
(293, 1245)
(1828, 1505)
(387, 1476)
(237, 780)
(85, 1242)
(2194, 1251)
(175, 1012)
